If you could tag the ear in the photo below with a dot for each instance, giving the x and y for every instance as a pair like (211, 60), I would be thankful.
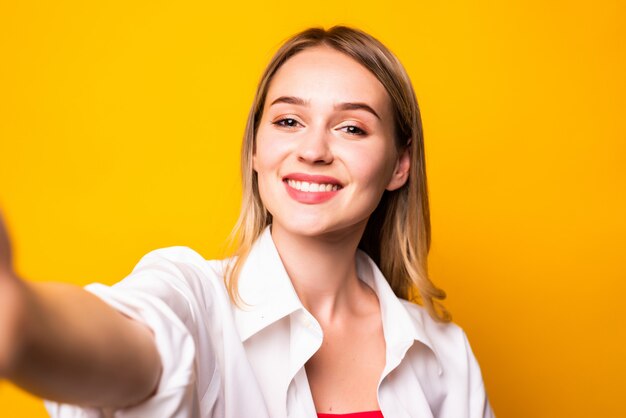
(254, 162)
(401, 171)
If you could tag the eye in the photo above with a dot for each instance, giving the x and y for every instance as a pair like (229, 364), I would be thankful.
(353, 130)
(287, 123)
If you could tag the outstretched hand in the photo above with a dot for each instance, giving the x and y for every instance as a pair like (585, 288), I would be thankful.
(11, 304)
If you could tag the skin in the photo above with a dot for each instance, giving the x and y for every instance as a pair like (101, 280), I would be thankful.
(9, 306)
(55, 337)
(318, 242)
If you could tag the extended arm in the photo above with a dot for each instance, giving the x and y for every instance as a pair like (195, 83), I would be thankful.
(60, 342)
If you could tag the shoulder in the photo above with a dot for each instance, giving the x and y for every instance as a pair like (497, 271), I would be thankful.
(178, 276)
(459, 372)
(447, 339)
(177, 255)
(434, 328)
(181, 261)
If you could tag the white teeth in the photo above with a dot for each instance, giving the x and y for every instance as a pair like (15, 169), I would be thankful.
(305, 186)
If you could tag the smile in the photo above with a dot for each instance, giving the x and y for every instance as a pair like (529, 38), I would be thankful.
(310, 187)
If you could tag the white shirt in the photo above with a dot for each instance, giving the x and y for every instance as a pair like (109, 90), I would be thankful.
(223, 361)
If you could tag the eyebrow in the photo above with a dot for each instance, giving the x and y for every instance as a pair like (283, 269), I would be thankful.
(340, 106)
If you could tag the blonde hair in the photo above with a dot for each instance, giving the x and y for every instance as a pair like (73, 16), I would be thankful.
(401, 220)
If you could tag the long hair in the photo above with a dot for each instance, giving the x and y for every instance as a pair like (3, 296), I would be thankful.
(402, 218)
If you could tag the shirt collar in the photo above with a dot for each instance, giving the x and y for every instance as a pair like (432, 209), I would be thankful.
(401, 329)
(265, 289)
(268, 296)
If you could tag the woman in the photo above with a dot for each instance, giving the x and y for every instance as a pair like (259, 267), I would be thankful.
(309, 317)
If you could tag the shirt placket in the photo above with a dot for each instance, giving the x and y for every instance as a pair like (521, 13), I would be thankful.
(306, 338)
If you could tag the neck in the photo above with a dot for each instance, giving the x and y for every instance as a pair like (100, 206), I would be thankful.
(322, 269)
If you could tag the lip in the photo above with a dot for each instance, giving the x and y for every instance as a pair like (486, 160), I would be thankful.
(311, 198)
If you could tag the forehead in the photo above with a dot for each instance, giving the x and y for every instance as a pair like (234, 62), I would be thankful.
(324, 75)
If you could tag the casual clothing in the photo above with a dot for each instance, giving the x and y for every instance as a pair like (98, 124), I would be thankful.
(223, 361)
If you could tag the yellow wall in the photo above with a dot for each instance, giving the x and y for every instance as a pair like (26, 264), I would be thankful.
(120, 125)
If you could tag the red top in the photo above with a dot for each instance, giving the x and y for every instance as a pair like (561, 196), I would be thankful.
(368, 414)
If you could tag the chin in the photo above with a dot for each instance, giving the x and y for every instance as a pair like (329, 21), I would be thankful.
(309, 228)
(315, 227)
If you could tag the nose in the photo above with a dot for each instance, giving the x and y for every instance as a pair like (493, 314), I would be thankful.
(314, 147)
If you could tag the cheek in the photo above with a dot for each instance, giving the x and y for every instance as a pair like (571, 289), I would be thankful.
(269, 152)
(371, 168)
(268, 162)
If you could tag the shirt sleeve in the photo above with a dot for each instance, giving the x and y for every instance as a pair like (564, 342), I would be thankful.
(479, 406)
(160, 294)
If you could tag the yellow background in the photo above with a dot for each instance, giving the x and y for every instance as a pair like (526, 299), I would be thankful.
(120, 125)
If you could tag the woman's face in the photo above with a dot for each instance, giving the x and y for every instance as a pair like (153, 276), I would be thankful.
(325, 149)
